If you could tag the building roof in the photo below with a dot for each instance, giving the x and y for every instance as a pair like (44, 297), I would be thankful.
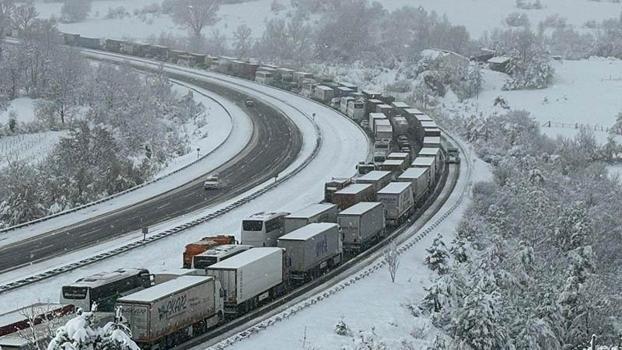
(360, 208)
(248, 257)
(353, 189)
(312, 210)
(395, 188)
(308, 231)
(165, 289)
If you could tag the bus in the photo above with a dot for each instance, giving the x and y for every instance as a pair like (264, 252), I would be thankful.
(263, 229)
(217, 254)
(105, 288)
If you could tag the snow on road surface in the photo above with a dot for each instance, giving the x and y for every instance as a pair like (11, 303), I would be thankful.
(373, 302)
(344, 145)
(228, 135)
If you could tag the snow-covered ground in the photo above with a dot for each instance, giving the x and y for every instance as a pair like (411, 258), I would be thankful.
(31, 148)
(22, 107)
(228, 135)
(344, 145)
(585, 92)
(373, 302)
(478, 16)
(252, 13)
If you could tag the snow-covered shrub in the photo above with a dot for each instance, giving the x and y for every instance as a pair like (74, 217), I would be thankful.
(438, 257)
(75, 10)
(341, 328)
(517, 19)
(81, 333)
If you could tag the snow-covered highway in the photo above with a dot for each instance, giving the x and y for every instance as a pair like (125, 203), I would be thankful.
(343, 145)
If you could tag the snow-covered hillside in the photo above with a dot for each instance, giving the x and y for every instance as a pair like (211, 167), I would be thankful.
(584, 93)
(478, 16)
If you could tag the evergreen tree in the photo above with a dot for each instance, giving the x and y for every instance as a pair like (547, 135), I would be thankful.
(437, 258)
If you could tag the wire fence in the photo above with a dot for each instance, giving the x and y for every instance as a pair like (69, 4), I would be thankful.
(593, 127)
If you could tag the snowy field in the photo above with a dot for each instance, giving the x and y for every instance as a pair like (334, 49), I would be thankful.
(585, 92)
(478, 16)
(254, 15)
(31, 148)
(24, 109)
(344, 145)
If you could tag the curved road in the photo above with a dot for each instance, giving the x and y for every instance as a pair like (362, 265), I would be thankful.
(274, 145)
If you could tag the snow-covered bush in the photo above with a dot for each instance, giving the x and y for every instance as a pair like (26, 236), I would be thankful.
(75, 10)
(81, 333)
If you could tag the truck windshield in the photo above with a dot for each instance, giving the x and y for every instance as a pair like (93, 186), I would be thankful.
(252, 225)
(74, 292)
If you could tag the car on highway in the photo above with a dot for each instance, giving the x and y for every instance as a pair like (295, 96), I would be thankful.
(212, 183)
(250, 103)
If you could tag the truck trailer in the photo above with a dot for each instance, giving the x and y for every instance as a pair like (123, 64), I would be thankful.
(311, 250)
(361, 225)
(377, 178)
(173, 311)
(354, 194)
(322, 212)
(397, 198)
(251, 278)
(426, 163)
(419, 179)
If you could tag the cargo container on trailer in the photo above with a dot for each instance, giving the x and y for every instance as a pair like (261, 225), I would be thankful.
(174, 311)
(322, 212)
(311, 250)
(250, 278)
(377, 178)
(398, 201)
(353, 194)
(361, 225)
(419, 179)
(426, 163)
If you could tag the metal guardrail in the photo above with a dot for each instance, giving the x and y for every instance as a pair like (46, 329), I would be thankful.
(408, 243)
(132, 189)
(156, 237)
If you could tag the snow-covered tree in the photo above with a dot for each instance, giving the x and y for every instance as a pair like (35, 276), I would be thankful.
(242, 40)
(392, 259)
(438, 257)
(82, 333)
(75, 10)
(195, 15)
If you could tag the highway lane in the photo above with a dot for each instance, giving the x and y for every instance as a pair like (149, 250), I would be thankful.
(274, 145)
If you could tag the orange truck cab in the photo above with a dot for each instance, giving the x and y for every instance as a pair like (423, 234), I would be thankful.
(203, 245)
